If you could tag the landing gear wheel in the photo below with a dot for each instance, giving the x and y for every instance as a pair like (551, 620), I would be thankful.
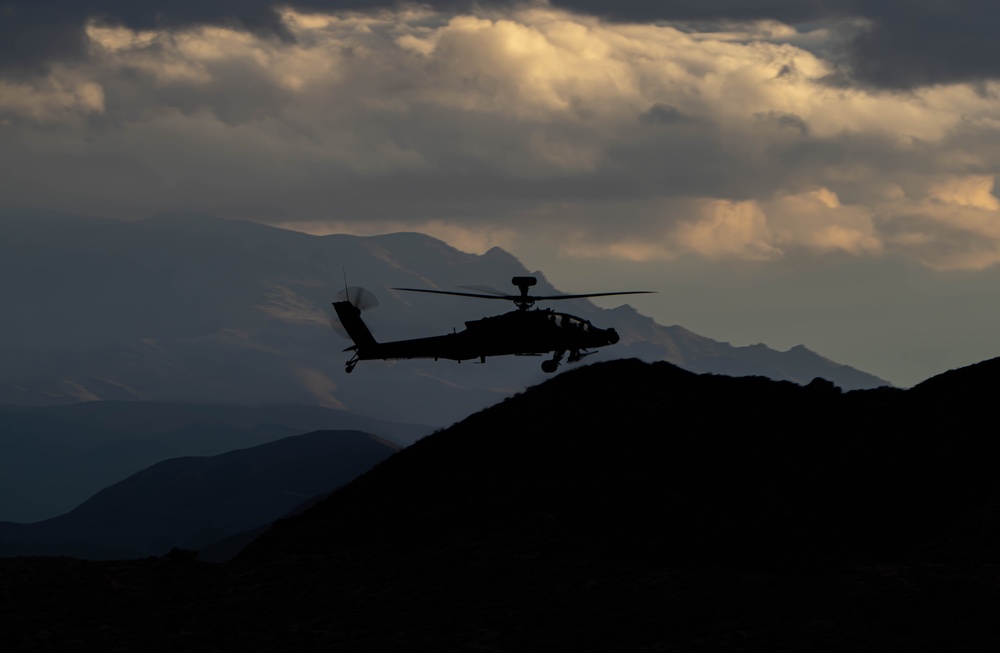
(550, 366)
(350, 366)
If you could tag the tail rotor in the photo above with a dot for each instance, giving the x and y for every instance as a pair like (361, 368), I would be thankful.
(361, 299)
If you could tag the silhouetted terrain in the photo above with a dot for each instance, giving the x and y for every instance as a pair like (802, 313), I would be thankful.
(195, 501)
(229, 547)
(619, 507)
(196, 309)
(53, 458)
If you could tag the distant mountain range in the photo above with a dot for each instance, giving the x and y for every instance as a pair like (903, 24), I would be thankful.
(195, 501)
(197, 309)
(52, 458)
(621, 506)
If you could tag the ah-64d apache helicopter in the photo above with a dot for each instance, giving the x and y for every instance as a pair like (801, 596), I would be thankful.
(522, 332)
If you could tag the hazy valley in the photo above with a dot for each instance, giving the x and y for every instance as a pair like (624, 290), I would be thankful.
(619, 506)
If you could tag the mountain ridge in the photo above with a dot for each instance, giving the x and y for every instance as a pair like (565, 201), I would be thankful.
(621, 506)
(193, 308)
(196, 500)
(53, 458)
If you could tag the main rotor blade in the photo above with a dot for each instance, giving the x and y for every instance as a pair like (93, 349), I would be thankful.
(487, 290)
(530, 298)
(460, 294)
(536, 298)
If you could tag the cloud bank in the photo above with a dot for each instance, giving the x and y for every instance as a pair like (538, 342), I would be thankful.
(618, 135)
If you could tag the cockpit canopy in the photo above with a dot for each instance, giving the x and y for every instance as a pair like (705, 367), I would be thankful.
(571, 321)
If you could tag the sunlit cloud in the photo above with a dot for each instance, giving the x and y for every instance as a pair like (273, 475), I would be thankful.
(954, 226)
(61, 97)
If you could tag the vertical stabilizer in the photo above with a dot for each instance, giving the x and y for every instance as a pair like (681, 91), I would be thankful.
(350, 318)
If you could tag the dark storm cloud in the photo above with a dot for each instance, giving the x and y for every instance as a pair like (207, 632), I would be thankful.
(647, 10)
(788, 120)
(33, 32)
(909, 43)
(663, 114)
(928, 42)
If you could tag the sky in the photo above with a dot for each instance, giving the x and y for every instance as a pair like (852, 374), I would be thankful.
(781, 171)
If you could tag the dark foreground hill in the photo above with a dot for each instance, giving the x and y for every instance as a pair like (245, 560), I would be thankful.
(620, 507)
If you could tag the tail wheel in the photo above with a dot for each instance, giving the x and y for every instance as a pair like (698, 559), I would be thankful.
(550, 366)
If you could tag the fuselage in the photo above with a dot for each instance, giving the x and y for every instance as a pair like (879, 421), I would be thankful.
(520, 332)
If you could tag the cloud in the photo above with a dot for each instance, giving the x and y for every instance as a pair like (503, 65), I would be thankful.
(662, 114)
(788, 120)
(898, 44)
(812, 222)
(816, 220)
(954, 225)
(511, 125)
(56, 98)
(974, 191)
(33, 35)
(710, 10)
(903, 44)
(729, 230)
(911, 44)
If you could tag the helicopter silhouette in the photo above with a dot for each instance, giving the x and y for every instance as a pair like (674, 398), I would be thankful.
(522, 332)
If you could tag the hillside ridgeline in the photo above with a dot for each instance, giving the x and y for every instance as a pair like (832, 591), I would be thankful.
(623, 506)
